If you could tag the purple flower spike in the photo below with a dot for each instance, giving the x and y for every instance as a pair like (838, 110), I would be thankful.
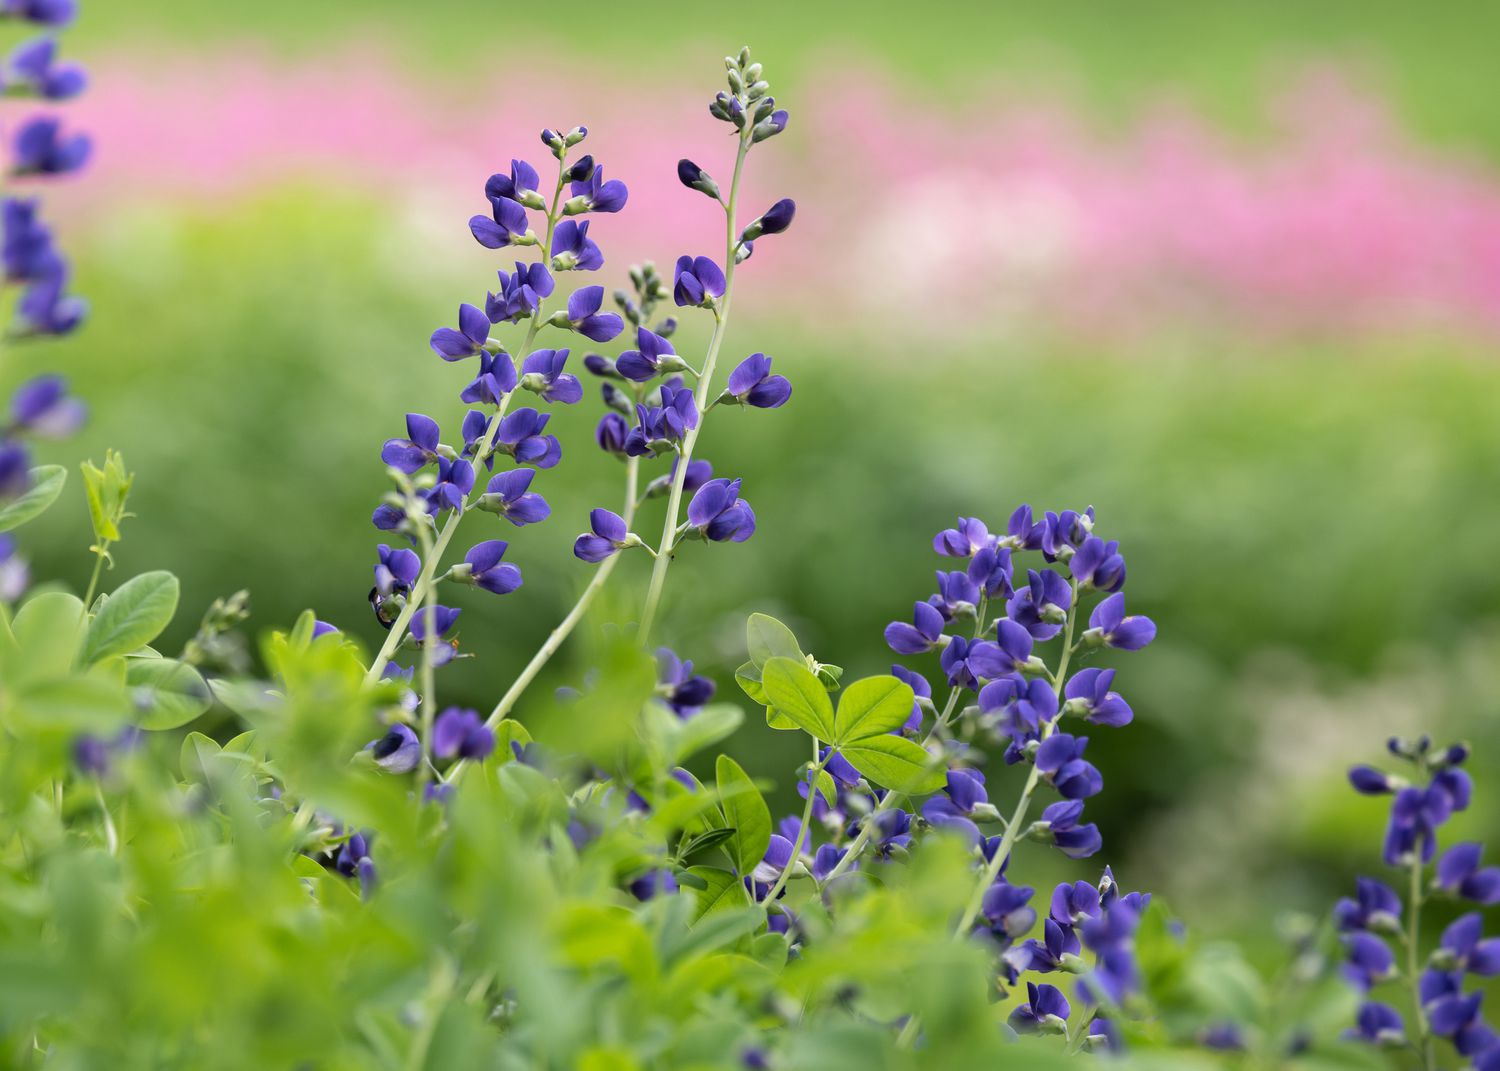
(645, 361)
(521, 436)
(573, 249)
(925, 632)
(752, 383)
(1459, 873)
(1115, 629)
(41, 149)
(719, 514)
(697, 281)
(506, 224)
(398, 751)
(583, 315)
(1089, 697)
(470, 337)
(520, 293)
(488, 571)
(43, 407)
(1060, 759)
(417, 450)
(1046, 1010)
(609, 535)
(543, 373)
(507, 495)
(461, 734)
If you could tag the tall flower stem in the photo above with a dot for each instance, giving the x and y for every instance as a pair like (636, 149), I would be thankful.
(426, 580)
(429, 677)
(1413, 964)
(664, 548)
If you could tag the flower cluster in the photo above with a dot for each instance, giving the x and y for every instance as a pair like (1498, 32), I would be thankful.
(1440, 1004)
(32, 261)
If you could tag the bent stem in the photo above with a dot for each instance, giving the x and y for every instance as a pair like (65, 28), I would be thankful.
(665, 546)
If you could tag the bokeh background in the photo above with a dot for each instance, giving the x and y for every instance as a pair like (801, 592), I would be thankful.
(1230, 273)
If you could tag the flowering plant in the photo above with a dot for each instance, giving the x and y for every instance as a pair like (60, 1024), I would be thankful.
(339, 869)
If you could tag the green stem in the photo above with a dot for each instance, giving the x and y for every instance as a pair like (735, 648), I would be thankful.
(802, 835)
(721, 323)
(101, 552)
(1413, 975)
(429, 677)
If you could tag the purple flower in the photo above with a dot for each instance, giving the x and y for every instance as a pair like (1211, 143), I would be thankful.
(507, 495)
(496, 379)
(1375, 907)
(1060, 758)
(1007, 912)
(521, 436)
(396, 571)
(925, 633)
(521, 293)
(353, 860)
(1463, 947)
(1459, 873)
(488, 571)
(42, 406)
(26, 249)
(1450, 1012)
(697, 281)
(1073, 903)
(583, 315)
(398, 751)
(1015, 644)
(610, 534)
(662, 427)
(1372, 782)
(418, 450)
(1046, 1010)
(968, 662)
(542, 372)
(1368, 960)
(1018, 707)
(954, 810)
(460, 733)
(41, 148)
(777, 219)
(442, 618)
(653, 884)
(1022, 532)
(468, 339)
(1088, 697)
(33, 66)
(519, 185)
(55, 13)
(956, 596)
(1042, 605)
(455, 479)
(1416, 815)
(1379, 1024)
(612, 433)
(506, 223)
(15, 575)
(646, 360)
(963, 541)
(1098, 565)
(685, 692)
(573, 249)
(769, 127)
(718, 512)
(990, 569)
(45, 307)
(595, 195)
(1114, 629)
(751, 383)
(695, 178)
(1047, 955)
(1063, 533)
(1060, 821)
(921, 689)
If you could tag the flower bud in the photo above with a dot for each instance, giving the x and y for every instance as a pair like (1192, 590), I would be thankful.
(577, 134)
(758, 90)
(695, 178)
(575, 206)
(581, 171)
(532, 199)
(744, 60)
(769, 127)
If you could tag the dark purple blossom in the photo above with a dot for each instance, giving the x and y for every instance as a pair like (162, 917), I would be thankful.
(573, 249)
(925, 633)
(1372, 782)
(1464, 948)
(718, 512)
(1022, 532)
(42, 149)
(921, 690)
(1098, 566)
(398, 751)
(54, 13)
(519, 185)
(507, 495)
(609, 535)
(418, 450)
(15, 575)
(455, 479)
(963, 792)
(461, 734)
(1368, 960)
(26, 247)
(612, 433)
(646, 360)
(542, 372)
(964, 541)
(33, 67)
(776, 219)
(1063, 533)
(1089, 697)
(1006, 912)
(751, 383)
(1046, 1010)
(769, 127)
(697, 281)
(46, 308)
(467, 339)
(486, 570)
(695, 178)
(505, 225)
(957, 595)
(1060, 759)
(1379, 1024)
(521, 436)
(1060, 823)
(42, 406)
(496, 379)
(662, 427)
(1114, 629)
(521, 293)
(583, 315)
(1042, 605)
(594, 194)
(991, 570)
(685, 692)
(1375, 907)
(353, 860)
(1459, 873)
(396, 571)
(1416, 815)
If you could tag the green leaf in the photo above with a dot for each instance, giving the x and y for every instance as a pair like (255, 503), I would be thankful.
(721, 891)
(744, 809)
(895, 762)
(827, 788)
(196, 750)
(47, 631)
(871, 707)
(134, 616)
(796, 694)
(748, 678)
(704, 841)
(768, 638)
(713, 723)
(46, 484)
(107, 490)
(168, 693)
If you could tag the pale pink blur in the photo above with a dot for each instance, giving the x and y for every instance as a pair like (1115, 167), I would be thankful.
(1006, 215)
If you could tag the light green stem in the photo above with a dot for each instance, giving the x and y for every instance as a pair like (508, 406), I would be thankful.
(1413, 940)
(665, 549)
(802, 833)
